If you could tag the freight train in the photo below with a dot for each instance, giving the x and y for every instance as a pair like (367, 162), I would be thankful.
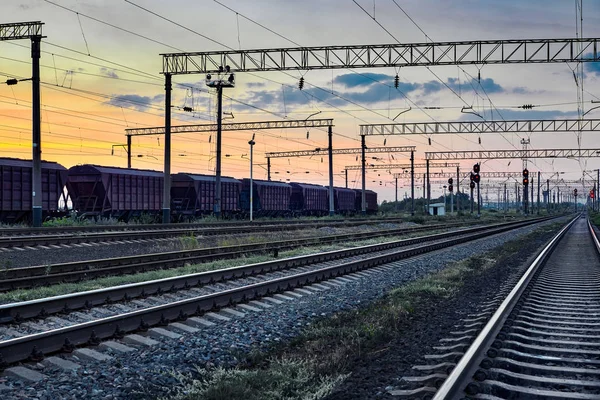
(97, 191)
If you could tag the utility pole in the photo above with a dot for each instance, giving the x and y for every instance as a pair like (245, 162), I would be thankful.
(548, 196)
(457, 190)
(425, 194)
(428, 187)
(539, 183)
(396, 193)
(531, 207)
(269, 170)
(363, 161)
(166, 209)
(412, 182)
(331, 203)
(251, 143)
(32, 31)
(219, 84)
(346, 171)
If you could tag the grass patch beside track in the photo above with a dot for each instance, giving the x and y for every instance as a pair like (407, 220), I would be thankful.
(66, 288)
(322, 357)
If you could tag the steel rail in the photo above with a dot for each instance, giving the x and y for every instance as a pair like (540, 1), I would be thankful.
(41, 307)
(36, 240)
(5, 232)
(41, 275)
(453, 386)
(65, 339)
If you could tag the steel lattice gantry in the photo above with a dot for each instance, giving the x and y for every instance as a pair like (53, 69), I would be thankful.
(514, 126)
(20, 30)
(512, 154)
(400, 166)
(321, 152)
(235, 126)
(479, 52)
(33, 31)
(489, 175)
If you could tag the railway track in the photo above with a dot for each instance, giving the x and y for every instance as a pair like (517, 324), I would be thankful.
(5, 232)
(542, 341)
(43, 275)
(182, 297)
(76, 237)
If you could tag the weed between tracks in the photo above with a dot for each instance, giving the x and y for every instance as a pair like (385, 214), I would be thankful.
(322, 357)
(66, 288)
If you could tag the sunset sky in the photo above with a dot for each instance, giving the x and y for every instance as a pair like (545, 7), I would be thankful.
(101, 74)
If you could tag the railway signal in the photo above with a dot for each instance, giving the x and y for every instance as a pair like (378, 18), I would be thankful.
(525, 177)
(476, 168)
(591, 193)
(450, 188)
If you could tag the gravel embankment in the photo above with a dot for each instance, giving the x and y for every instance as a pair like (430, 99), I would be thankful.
(147, 373)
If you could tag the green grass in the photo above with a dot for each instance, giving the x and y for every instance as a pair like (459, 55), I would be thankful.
(285, 379)
(322, 357)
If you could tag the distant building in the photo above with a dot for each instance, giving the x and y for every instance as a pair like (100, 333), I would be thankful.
(437, 209)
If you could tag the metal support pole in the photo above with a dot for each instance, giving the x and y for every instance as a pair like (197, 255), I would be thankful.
(531, 207)
(396, 193)
(525, 192)
(251, 143)
(457, 189)
(268, 168)
(217, 207)
(478, 201)
(346, 171)
(363, 161)
(412, 182)
(472, 201)
(330, 137)
(36, 178)
(166, 210)
(539, 184)
(452, 202)
(558, 199)
(424, 194)
(598, 186)
(129, 151)
(548, 196)
(505, 199)
(428, 187)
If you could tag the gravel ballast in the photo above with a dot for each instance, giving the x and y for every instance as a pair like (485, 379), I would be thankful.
(17, 258)
(147, 372)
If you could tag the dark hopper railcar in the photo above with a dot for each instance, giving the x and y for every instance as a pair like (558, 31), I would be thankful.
(344, 200)
(16, 192)
(117, 192)
(371, 200)
(194, 195)
(269, 199)
(309, 199)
